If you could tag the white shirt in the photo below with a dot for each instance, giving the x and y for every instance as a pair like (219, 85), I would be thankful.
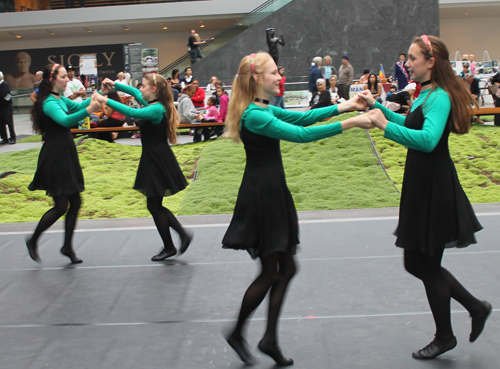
(72, 87)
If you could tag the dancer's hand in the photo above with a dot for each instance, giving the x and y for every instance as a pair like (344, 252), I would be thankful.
(361, 121)
(107, 86)
(354, 103)
(378, 119)
(367, 97)
(93, 106)
(99, 98)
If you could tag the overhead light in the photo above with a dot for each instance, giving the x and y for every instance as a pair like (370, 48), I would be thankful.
(126, 28)
(165, 27)
(18, 36)
(201, 26)
(87, 29)
(52, 33)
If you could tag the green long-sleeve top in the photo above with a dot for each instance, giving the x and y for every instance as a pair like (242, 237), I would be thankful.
(57, 109)
(436, 110)
(153, 112)
(287, 125)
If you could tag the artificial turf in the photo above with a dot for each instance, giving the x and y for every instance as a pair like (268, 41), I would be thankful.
(340, 172)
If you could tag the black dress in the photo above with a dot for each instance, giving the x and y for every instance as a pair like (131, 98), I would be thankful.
(435, 211)
(159, 173)
(264, 219)
(58, 170)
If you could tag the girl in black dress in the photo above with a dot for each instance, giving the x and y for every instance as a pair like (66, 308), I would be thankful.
(434, 212)
(265, 221)
(159, 173)
(58, 171)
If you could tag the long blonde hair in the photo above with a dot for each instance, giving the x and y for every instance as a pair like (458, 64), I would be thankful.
(244, 91)
(166, 98)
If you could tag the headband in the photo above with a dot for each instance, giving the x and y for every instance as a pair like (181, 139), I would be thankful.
(427, 43)
(252, 63)
(54, 67)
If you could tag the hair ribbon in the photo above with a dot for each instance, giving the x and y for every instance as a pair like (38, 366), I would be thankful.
(252, 63)
(154, 79)
(54, 68)
(427, 43)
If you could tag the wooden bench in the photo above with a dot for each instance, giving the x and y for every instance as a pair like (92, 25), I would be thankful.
(136, 128)
(485, 111)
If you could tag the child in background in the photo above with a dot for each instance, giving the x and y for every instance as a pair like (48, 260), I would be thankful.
(212, 114)
(393, 89)
(224, 102)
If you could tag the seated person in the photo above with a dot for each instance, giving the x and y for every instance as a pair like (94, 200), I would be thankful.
(334, 90)
(187, 111)
(403, 98)
(374, 87)
(363, 80)
(392, 90)
(113, 119)
(322, 97)
(473, 86)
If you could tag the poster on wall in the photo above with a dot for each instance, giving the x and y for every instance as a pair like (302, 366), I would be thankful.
(88, 64)
(135, 59)
(20, 66)
(149, 60)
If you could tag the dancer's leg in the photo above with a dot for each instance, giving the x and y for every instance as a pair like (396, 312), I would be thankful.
(160, 218)
(286, 270)
(75, 203)
(48, 219)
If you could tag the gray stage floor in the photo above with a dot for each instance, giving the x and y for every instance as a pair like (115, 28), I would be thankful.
(351, 306)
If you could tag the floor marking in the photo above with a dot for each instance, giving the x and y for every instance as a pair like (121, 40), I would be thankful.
(174, 262)
(218, 225)
(291, 318)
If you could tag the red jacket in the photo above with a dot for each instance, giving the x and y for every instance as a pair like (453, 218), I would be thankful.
(199, 98)
(282, 86)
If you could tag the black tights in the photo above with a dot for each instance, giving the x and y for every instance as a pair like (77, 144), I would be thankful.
(164, 219)
(440, 286)
(52, 215)
(277, 271)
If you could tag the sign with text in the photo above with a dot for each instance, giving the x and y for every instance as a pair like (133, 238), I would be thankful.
(356, 89)
(20, 66)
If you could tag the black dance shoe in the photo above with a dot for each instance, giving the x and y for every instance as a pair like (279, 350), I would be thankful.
(435, 348)
(71, 255)
(33, 251)
(4, 141)
(164, 254)
(275, 353)
(240, 345)
(479, 320)
(12, 141)
(186, 241)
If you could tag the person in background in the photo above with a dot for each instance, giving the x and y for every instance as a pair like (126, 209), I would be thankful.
(175, 92)
(74, 88)
(334, 91)
(346, 76)
(211, 86)
(279, 99)
(218, 84)
(194, 46)
(495, 80)
(200, 41)
(472, 63)
(374, 87)
(188, 78)
(176, 80)
(473, 86)
(6, 113)
(211, 112)
(401, 74)
(39, 77)
(315, 73)
(113, 118)
(322, 97)
(224, 103)
(328, 69)
(364, 78)
(392, 90)
(199, 96)
(465, 70)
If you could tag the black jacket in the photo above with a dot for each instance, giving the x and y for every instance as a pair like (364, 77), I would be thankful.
(320, 100)
(5, 97)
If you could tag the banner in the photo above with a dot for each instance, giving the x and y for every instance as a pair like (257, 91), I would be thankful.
(20, 66)
(355, 89)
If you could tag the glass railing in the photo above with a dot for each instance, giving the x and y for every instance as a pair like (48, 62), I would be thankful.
(224, 36)
(29, 5)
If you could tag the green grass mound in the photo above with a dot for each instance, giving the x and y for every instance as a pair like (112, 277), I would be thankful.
(476, 156)
(340, 172)
(109, 171)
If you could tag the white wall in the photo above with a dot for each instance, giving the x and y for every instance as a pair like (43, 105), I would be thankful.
(171, 45)
(471, 36)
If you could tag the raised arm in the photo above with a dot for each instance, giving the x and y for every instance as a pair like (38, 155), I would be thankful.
(153, 112)
(131, 91)
(74, 106)
(53, 109)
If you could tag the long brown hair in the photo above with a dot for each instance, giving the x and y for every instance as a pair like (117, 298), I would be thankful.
(44, 88)
(442, 75)
(244, 91)
(166, 98)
